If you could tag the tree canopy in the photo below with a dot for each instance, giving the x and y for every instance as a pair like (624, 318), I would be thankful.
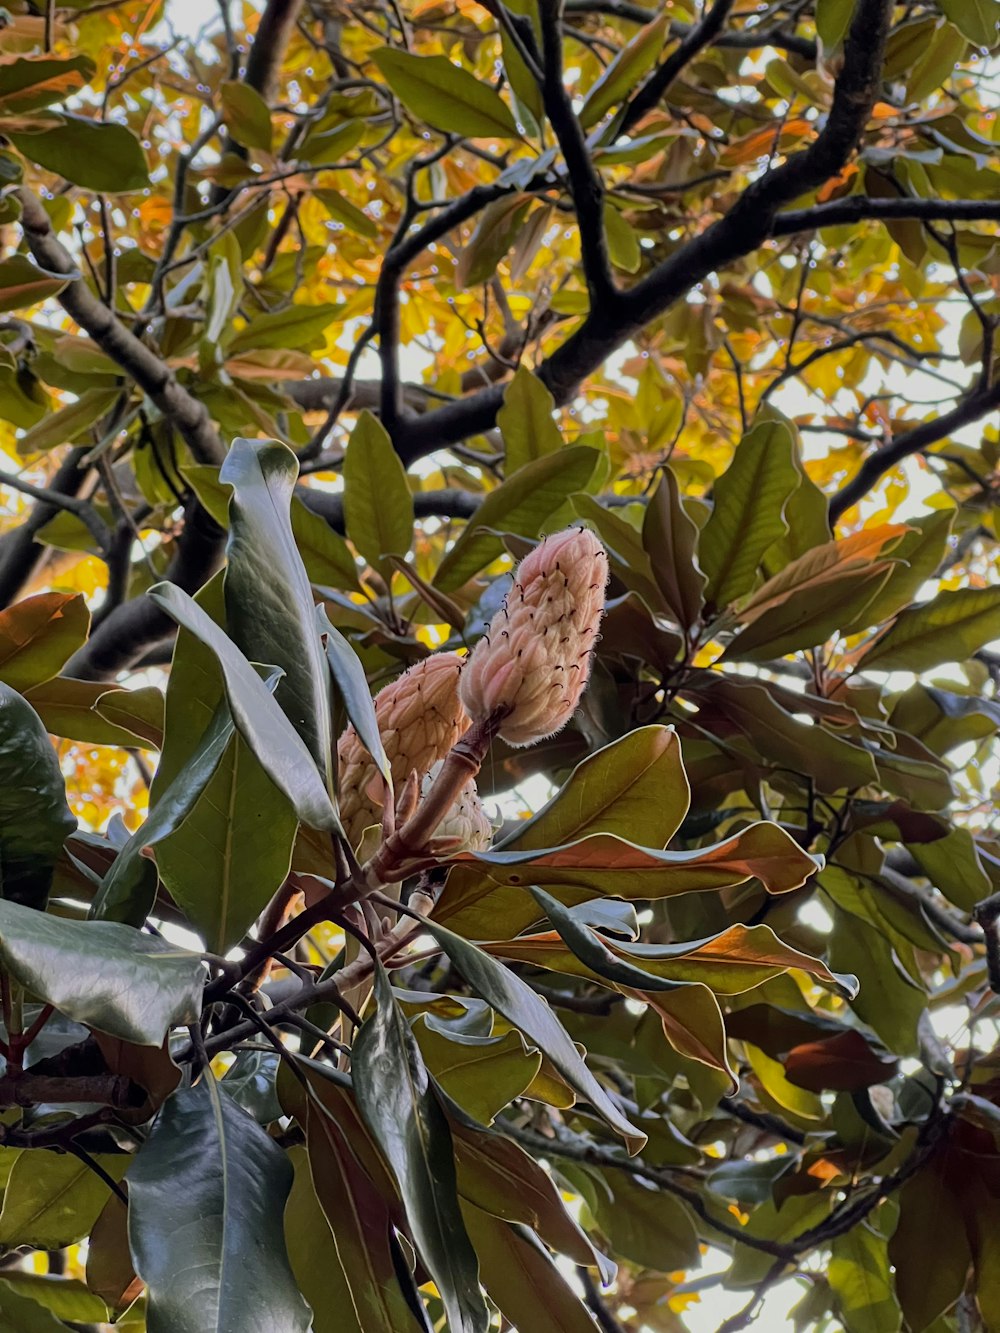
(318, 318)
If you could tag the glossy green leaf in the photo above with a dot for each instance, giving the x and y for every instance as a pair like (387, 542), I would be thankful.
(484, 895)
(519, 1004)
(378, 506)
(246, 114)
(30, 82)
(520, 505)
(918, 555)
(102, 973)
(22, 283)
(129, 888)
(979, 20)
(859, 1274)
(270, 614)
(670, 539)
(634, 787)
(929, 1249)
(522, 1279)
(445, 95)
(402, 1111)
(206, 1191)
(481, 1074)
(69, 709)
(35, 819)
(99, 155)
(496, 231)
(69, 423)
(949, 628)
(625, 72)
(38, 635)
(352, 685)
(363, 1289)
(748, 511)
(62, 1297)
(526, 421)
(888, 1000)
(833, 18)
(257, 717)
(53, 1199)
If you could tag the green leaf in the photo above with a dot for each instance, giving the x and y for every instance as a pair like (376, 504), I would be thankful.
(483, 897)
(929, 1249)
(246, 114)
(23, 283)
(949, 628)
(633, 787)
(53, 1199)
(670, 539)
(38, 635)
(63, 1297)
(68, 708)
(748, 513)
(99, 155)
(35, 819)
(398, 1103)
(522, 1279)
(526, 421)
(646, 1226)
(749, 714)
(519, 1004)
(300, 326)
(811, 614)
(497, 229)
(378, 506)
(270, 612)
(636, 58)
(128, 889)
(979, 20)
(888, 1001)
(482, 1074)
(520, 505)
(352, 684)
(624, 249)
(258, 719)
(445, 95)
(859, 1274)
(343, 211)
(206, 1195)
(833, 18)
(918, 556)
(101, 973)
(335, 1273)
(30, 82)
(69, 423)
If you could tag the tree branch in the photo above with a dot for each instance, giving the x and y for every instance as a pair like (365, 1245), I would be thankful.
(978, 404)
(148, 370)
(694, 41)
(742, 230)
(126, 635)
(584, 180)
(861, 208)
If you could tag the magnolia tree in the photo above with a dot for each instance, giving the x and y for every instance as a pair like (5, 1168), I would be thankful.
(497, 713)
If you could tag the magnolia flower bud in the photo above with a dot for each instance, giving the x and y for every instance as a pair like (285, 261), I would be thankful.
(420, 717)
(466, 820)
(534, 660)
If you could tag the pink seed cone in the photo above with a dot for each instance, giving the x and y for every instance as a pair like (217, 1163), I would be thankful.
(534, 659)
(420, 717)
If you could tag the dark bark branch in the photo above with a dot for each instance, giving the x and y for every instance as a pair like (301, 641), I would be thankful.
(448, 503)
(860, 208)
(584, 180)
(742, 230)
(126, 635)
(277, 23)
(978, 404)
(20, 554)
(149, 371)
(694, 41)
(747, 39)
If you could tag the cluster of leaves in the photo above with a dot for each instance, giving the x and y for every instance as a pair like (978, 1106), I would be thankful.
(738, 1010)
